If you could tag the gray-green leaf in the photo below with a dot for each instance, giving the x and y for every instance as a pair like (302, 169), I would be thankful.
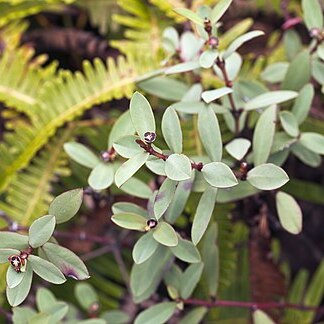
(313, 14)
(141, 114)
(13, 277)
(238, 148)
(13, 240)
(289, 123)
(66, 205)
(130, 221)
(165, 234)
(219, 175)
(41, 230)
(186, 251)
(267, 177)
(219, 10)
(210, 134)
(164, 197)
(263, 135)
(289, 212)
(178, 167)
(171, 130)
(81, 154)
(130, 167)
(46, 270)
(102, 176)
(190, 15)
(203, 214)
(6, 253)
(303, 103)
(211, 95)
(190, 279)
(270, 98)
(313, 141)
(144, 248)
(157, 314)
(67, 261)
(86, 295)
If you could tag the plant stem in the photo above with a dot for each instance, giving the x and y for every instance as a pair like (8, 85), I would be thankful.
(235, 112)
(244, 304)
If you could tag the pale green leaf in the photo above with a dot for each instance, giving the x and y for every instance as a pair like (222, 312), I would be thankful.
(10, 240)
(102, 176)
(186, 251)
(178, 167)
(233, 66)
(203, 214)
(122, 127)
(130, 167)
(21, 315)
(127, 207)
(6, 253)
(275, 72)
(211, 95)
(313, 14)
(289, 123)
(171, 130)
(238, 42)
(86, 295)
(13, 277)
(67, 261)
(164, 197)
(303, 103)
(289, 212)
(270, 98)
(267, 177)
(305, 155)
(81, 154)
(210, 134)
(115, 317)
(264, 135)
(183, 67)
(41, 230)
(190, 15)
(260, 317)
(299, 72)
(219, 175)
(46, 270)
(195, 316)
(19, 293)
(156, 165)
(207, 58)
(141, 115)
(313, 141)
(66, 205)
(238, 148)
(219, 10)
(188, 107)
(190, 279)
(130, 221)
(157, 314)
(137, 188)
(144, 248)
(127, 147)
(165, 234)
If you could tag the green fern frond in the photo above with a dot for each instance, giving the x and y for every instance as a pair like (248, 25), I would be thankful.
(18, 9)
(143, 28)
(29, 194)
(168, 6)
(65, 99)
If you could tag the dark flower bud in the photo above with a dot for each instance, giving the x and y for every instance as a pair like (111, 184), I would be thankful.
(152, 223)
(213, 42)
(149, 137)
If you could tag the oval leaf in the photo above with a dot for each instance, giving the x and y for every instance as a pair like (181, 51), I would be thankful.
(210, 134)
(238, 148)
(270, 98)
(190, 15)
(211, 95)
(264, 135)
(86, 295)
(165, 234)
(313, 141)
(190, 279)
(289, 212)
(219, 10)
(303, 103)
(289, 123)
(41, 230)
(171, 130)
(207, 58)
(130, 167)
(313, 14)
(127, 147)
(267, 177)
(46, 270)
(186, 251)
(66, 205)
(130, 221)
(19, 293)
(102, 176)
(14, 278)
(81, 154)
(164, 197)
(6, 253)
(157, 314)
(137, 188)
(203, 214)
(67, 261)
(142, 115)
(219, 175)
(178, 167)
(13, 240)
(144, 248)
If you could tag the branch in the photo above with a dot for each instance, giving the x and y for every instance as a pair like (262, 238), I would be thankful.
(244, 304)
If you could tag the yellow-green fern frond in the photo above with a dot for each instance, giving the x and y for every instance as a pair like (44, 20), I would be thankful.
(168, 6)
(29, 194)
(65, 99)
(11, 10)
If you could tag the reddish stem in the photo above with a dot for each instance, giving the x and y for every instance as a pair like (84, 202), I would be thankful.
(252, 305)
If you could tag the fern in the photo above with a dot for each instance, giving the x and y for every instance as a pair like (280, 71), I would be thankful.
(64, 99)
(14, 10)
